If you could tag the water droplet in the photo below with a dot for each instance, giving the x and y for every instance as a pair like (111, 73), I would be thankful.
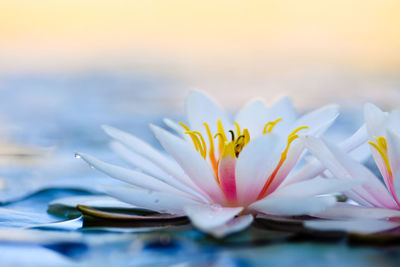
(156, 201)
(91, 166)
(77, 156)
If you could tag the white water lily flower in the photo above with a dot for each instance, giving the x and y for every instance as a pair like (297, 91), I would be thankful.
(373, 200)
(220, 174)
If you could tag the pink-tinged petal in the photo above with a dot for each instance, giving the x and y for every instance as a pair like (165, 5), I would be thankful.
(226, 175)
(192, 162)
(235, 225)
(200, 108)
(318, 121)
(314, 187)
(294, 154)
(208, 217)
(144, 149)
(349, 211)
(255, 163)
(253, 117)
(150, 168)
(315, 168)
(292, 206)
(152, 200)
(132, 177)
(353, 226)
(343, 166)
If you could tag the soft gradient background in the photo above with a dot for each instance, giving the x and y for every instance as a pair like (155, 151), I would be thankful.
(345, 51)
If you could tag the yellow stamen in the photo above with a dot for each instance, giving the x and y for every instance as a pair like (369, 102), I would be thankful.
(195, 140)
(211, 152)
(246, 136)
(381, 147)
(292, 136)
(203, 150)
(270, 125)
(184, 126)
(238, 132)
(222, 136)
(193, 137)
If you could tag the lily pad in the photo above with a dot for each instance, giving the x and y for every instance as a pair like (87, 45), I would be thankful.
(67, 207)
(98, 218)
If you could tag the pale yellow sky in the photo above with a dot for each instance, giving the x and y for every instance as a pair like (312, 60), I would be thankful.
(48, 34)
(207, 43)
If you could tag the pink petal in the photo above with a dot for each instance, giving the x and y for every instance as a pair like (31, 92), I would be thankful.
(226, 174)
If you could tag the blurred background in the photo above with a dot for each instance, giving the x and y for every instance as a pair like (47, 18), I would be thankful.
(67, 66)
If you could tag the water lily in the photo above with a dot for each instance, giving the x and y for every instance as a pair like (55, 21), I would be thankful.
(221, 173)
(373, 200)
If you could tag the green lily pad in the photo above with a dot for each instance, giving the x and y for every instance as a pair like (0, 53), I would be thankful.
(99, 218)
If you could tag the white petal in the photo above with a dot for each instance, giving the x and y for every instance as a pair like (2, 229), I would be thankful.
(235, 225)
(393, 121)
(177, 128)
(349, 211)
(358, 138)
(253, 117)
(315, 168)
(393, 144)
(200, 108)
(151, 200)
(150, 153)
(354, 226)
(137, 160)
(397, 184)
(375, 120)
(314, 187)
(207, 217)
(192, 162)
(343, 166)
(283, 108)
(255, 163)
(149, 167)
(292, 206)
(318, 121)
(132, 177)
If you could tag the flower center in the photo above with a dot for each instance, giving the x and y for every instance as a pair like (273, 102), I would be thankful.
(235, 145)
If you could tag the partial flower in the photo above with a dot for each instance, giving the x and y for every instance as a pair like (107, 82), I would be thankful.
(373, 199)
(221, 173)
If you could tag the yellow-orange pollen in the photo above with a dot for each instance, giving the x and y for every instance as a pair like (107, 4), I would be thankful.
(381, 146)
(235, 145)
